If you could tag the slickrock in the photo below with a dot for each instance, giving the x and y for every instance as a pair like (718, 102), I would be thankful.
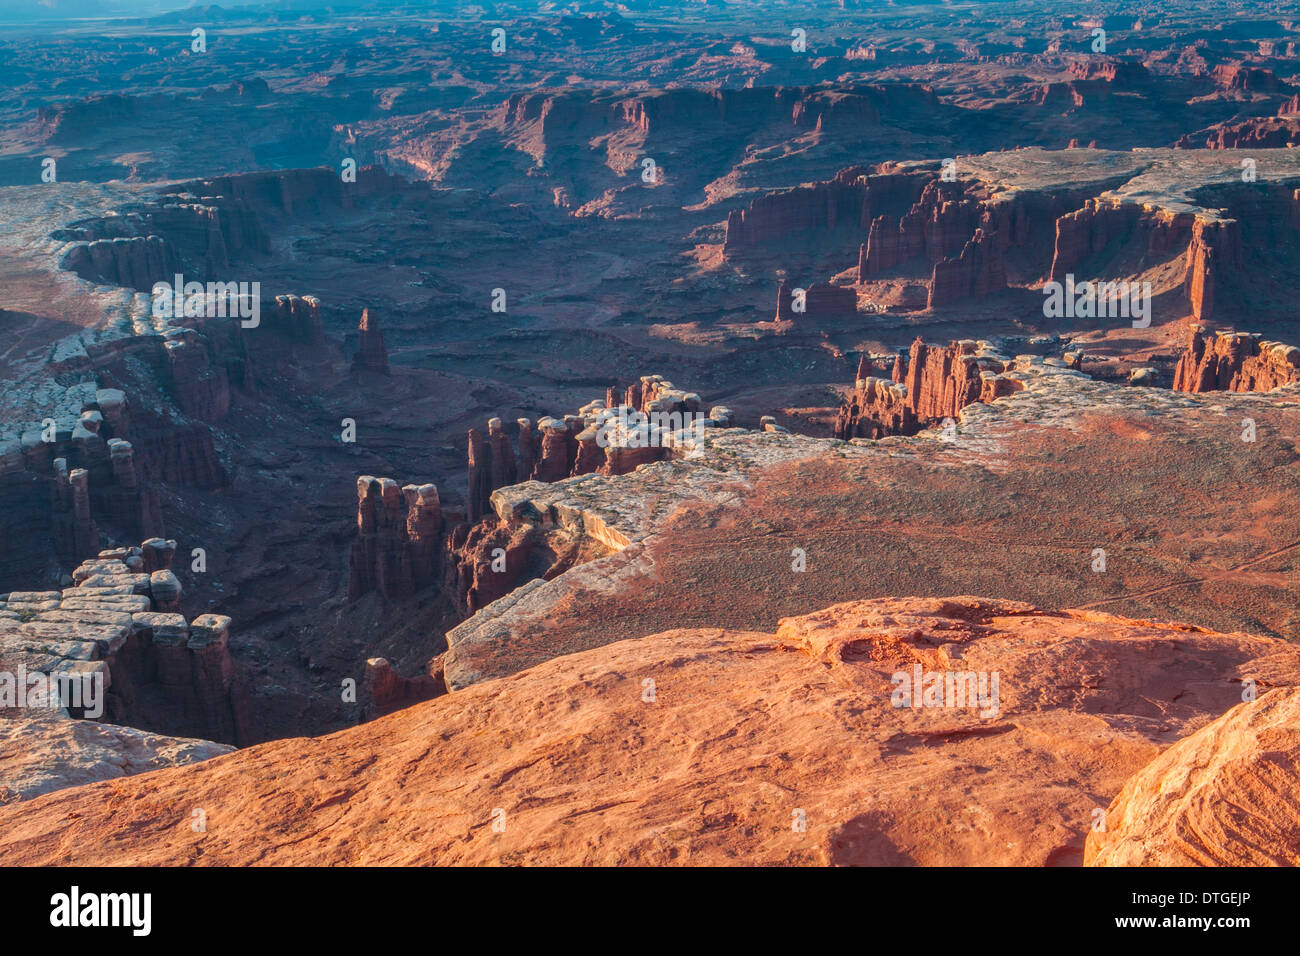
(1235, 362)
(41, 754)
(1223, 796)
(1054, 432)
(643, 752)
(372, 354)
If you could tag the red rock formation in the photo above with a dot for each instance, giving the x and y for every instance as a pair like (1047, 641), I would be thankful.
(384, 691)
(1235, 362)
(1087, 231)
(850, 201)
(554, 462)
(977, 272)
(1062, 96)
(372, 355)
(1245, 79)
(529, 448)
(398, 530)
(486, 561)
(1223, 796)
(1259, 132)
(821, 301)
(1215, 246)
(1056, 744)
(195, 376)
(937, 226)
(936, 383)
(1121, 74)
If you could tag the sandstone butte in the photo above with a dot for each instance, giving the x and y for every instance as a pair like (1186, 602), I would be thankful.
(744, 735)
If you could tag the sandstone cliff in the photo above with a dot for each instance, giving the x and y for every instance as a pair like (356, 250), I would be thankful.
(1235, 362)
(933, 383)
(399, 536)
(120, 624)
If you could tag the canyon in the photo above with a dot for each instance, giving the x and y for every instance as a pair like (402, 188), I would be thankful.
(477, 473)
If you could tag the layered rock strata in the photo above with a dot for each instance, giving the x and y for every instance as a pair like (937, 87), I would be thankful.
(120, 627)
(931, 384)
(1235, 362)
(399, 536)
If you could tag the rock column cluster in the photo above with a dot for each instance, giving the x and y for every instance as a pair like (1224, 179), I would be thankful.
(1235, 362)
(399, 530)
(934, 383)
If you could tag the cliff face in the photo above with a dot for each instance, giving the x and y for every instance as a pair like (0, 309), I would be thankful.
(976, 272)
(120, 624)
(1235, 362)
(399, 536)
(821, 301)
(135, 262)
(934, 383)
(1215, 248)
(1099, 224)
(936, 227)
(206, 228)
(849, 202)
(1242, 78)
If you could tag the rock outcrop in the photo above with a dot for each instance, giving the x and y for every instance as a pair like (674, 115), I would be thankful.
(821, 301)
(849, 202)
(43, 753)
(372, 354)
(1235, 362)
(1050, 744)
(399, 535)
(1215, 248)
(973, 274)
(1223, 796)
(649, 421)
(933, 383)
(120, 627)
(384, 691)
